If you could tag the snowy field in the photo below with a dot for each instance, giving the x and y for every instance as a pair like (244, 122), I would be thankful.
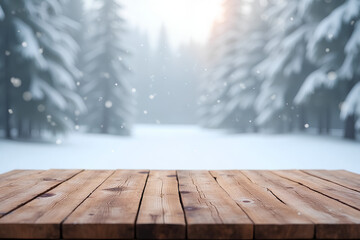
(183, 147)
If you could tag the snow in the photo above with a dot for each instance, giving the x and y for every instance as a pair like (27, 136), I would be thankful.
(183, 147)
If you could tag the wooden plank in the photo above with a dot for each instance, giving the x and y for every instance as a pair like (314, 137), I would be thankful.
(161, 215)
(210, 212)
(41, 218)
(110, 212)
(272, 218)
(22, 190)
(333, 220)
(341, 177)
(14, 175)
(345, 195)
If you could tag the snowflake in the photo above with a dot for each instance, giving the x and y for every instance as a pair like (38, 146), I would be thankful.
(108, 104)
(10, 111)
(306, 125)
(27, 96)
(16, 82)
(24, 44)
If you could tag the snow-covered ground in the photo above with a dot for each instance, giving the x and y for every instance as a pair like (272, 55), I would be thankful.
(183, 147)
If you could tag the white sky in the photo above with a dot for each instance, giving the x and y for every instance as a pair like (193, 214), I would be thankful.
(184, 19)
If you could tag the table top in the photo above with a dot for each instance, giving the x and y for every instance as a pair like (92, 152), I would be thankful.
(179, 204)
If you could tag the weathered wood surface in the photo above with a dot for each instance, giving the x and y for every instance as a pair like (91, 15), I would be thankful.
(272, 218)
(142, 204)
(161, 215)
(110, 211)
(210, 211)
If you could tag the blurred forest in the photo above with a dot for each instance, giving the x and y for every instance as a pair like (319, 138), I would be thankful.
(284, 66)
(269, 65)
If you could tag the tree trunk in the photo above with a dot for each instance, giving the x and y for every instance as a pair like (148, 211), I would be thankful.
(328, 120)
(349, 129)
(320, 122)
(7, 87)
(302, 118)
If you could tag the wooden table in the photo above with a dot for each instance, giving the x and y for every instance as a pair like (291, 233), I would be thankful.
(142, 204)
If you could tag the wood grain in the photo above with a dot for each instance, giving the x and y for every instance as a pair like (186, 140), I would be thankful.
(22, 190)
(14, 175)
(41, 218)
(272, 218)
(111, 210)
(341, 177)
(210, 212)
(161, 215)
(333, 220)
(335, 191)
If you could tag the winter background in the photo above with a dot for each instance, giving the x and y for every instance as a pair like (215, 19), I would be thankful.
(181, 84)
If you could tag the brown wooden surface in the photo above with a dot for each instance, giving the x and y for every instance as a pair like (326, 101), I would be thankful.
(161, 215)
(20, 191)
(341, 177)
(41, 217)
(110, 211)
(272, 218)
(13, 175)
(210, 212)
(332, 190)
(142, 204)
(332, 219)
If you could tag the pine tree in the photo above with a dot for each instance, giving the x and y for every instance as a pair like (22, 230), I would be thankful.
(38, 67)
(106, 89)
(217, 109)
(334, 49)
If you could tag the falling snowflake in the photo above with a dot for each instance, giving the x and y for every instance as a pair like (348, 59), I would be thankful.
(77, 127)
(327, 50)
(10, 111)
(108, 104)
(306, 125)
(151, 96)
(41, 108)
(41, 50)
(24, 44)
(133, 90)
(332, 75)
(7, 53)
(16, 82)
(27, 96)
(58, 141)
(145, 112)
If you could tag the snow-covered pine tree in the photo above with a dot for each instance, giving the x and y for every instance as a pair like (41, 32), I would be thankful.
(215, 110)
(106, 89)
(75, 10)
(38, 67)
(244, 82)
(334, 48)
(286, 66)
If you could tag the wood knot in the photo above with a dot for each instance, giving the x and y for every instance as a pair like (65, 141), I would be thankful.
(49, 179)
(184, 192)
(190, 208)
(115, 189)
(45, 195)
(143, 172)
(172, 175)
(246, 201)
